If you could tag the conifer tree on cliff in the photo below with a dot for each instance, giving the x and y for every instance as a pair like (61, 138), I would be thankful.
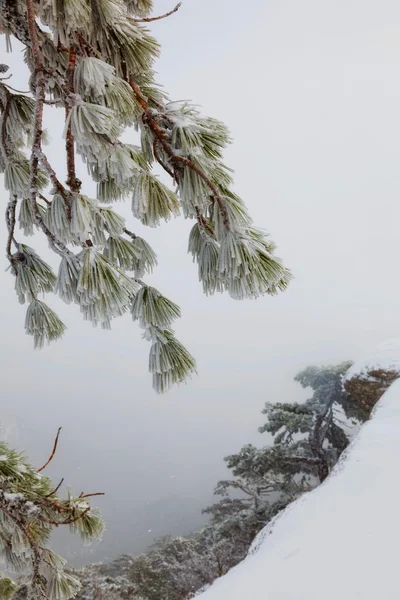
(93, 60)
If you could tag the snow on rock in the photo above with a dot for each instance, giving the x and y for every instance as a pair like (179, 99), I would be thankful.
(386, 356)
(341, 540)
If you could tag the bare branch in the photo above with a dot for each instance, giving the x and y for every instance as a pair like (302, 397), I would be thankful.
(52, 453)
(72, 180)
(150, 19)
(7, 85)
(91, 495)
(10, 218)
(55, 489)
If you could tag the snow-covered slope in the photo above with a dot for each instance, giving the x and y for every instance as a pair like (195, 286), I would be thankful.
(340, 541)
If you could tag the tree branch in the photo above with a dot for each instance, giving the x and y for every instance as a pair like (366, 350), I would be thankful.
(10, 218)
(56, 183)
(40, 88)
(55, 489)
(91, 495)
(53, 451)
(158, 132)
(72, 180)
(5, 103)
(150, 19)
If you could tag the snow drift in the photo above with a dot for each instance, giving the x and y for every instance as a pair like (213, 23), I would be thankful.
(341, 540)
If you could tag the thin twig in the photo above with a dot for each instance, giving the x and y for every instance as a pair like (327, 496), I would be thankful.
(39, 81)
(7, 85)
(72, 180)
(130, 233)
(6, 104)
(82, 495)
(53, 451)
(10, 216)
(150, 19)
(160, 161)
(66, 521)
(57, 183)
(203, 222)
(44, 199)
(55, 489)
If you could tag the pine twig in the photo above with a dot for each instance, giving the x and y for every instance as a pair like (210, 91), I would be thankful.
(53, 451)
(55, 489)
(4, 117)
(161, 162)
(72, 180)
(10, 217)
(7, 85)
(150, 19)
(158, 132)
(82, 495)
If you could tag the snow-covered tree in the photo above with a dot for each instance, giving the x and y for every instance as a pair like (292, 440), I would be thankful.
(308, 439)
(30, 509)
(93, 61)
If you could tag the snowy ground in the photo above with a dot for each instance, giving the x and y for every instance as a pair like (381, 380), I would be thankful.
(340, 541)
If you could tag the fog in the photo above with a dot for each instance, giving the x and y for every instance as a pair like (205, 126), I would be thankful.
(310, 91)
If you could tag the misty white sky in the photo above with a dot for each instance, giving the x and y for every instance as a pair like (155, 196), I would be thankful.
(310, 91)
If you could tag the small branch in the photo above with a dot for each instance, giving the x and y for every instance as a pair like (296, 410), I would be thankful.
(66, 521)
(130, 233)
(82, 495)
(55, 489)
(159, 133)
(7, 85)
(204, 223)
(57, 184)
(88, 46)
(74, 519)
(6, 100)
(44, 199)
(53, 451)
(160, 161)
(150, 19)
(72, 180)
(38, 78)
(10, 218)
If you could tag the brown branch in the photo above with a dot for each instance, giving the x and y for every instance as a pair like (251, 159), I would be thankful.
(159, 133)
(160, 161)
(52, 453)
(72, 180)
(36, 550)
(204, 223)
(55, 489)
(7, 85)
(130, 233)
(150, 19)
(44, 199)
(66, 521)
(87, 45)
(82, 495)
(56, 183)
(6, 111)
(10, 217)
(40, 96)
